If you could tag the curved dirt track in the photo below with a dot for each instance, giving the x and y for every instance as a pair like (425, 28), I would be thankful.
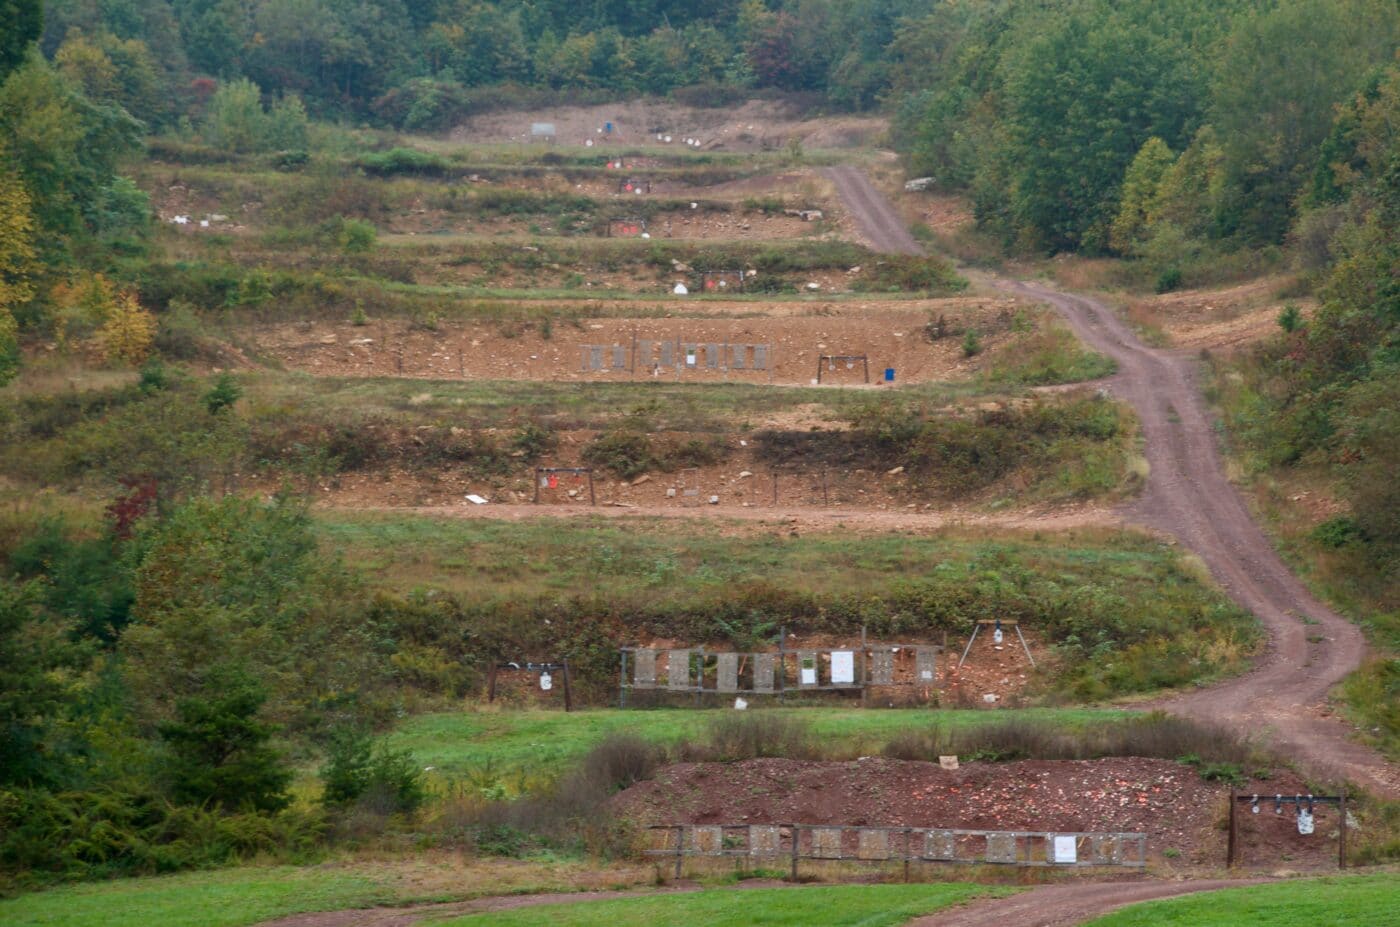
(1063, 905)
(1310, 648)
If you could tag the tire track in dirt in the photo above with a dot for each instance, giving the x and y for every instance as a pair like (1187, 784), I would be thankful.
(1310, 648)
(1063, 905)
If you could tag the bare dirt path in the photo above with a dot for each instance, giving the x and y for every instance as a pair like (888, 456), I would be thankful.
(1311, 648)
(1062, 905)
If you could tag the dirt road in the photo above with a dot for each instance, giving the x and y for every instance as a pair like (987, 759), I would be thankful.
(1311, 648)
(1062, 905)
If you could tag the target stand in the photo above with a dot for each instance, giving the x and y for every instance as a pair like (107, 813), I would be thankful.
(829, 361)
(996, 624)
(548, 477)
(546, 673)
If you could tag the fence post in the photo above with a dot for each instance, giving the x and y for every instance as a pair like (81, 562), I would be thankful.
(796, 840)
(1342, 831)
(1230, 842)
(622, 684)
(680, 848)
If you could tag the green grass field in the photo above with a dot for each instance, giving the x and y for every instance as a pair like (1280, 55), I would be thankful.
(226, 898)
(1344, 901)
(517, 748)
(830, 906)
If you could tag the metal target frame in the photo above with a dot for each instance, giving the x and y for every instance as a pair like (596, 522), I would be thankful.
(539, 669)
(825, 360)
(544, 473)
(996, 624)
(1299, 803)
(627, 227)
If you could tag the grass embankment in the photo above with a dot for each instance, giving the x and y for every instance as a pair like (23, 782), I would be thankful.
(1125, 612)
(835, 906)
(1344, 901)
(518, 750)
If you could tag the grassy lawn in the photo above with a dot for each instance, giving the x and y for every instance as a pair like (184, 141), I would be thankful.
(517, 748)
(1344, 901)
(833, 906)
(226, 898)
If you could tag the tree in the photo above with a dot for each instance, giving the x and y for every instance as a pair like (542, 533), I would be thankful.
(1278, 77)
(219, 750)
(1138, 194)
(31, 692)
(24, 21)
(128, 331)
(65, 148)
(18, 264)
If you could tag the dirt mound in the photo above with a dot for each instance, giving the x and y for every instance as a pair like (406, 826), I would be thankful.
(1217, 319)
(755, 126)
(1163, 799)
(890, 334)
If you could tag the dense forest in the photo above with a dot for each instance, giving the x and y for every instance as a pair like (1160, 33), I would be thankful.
(1184, 136)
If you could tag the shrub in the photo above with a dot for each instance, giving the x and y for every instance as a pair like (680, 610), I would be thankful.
(404, 161)
(971, 343)
(1290, 319)
(626, 452)
(748, 735)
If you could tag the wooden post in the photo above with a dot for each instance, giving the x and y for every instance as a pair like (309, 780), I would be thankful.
(865, 359)
(1230, 841)
(568, 689)
(539, 472)
(782, 665)
(680, 848)
(592, 499)
(826, 499)
(796, 840)
(1342, 831)
(461, 365)
(907, 832)
(622, 683)
(864, 669)
(775, 488)
(491, 683)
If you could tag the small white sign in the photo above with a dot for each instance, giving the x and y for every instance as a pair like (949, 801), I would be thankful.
(546, 681)
(843, 667)
(740, 704)
(926, 675)
(474, 499)
(809, 676)
(1065, 849)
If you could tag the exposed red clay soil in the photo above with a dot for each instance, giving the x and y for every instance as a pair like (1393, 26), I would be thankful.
(1161, 798)
(889, 334)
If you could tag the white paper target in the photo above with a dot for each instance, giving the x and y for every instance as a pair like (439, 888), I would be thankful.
(1065, 849)
(996, 636)
(843, 667)
(1305, 822)
(546, 681)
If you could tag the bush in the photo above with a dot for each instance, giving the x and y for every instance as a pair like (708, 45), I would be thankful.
(971, 343)
(625, 452)
(735, 736)
(398, 161)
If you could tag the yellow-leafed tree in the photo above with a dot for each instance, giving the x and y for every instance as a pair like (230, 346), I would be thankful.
(18, 264)
(128, 332)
